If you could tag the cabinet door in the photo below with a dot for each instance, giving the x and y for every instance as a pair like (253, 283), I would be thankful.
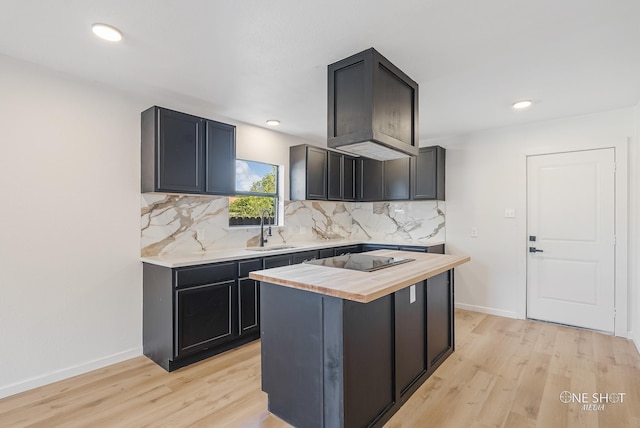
(325, 252)
(371, 179)
(180, 152)
(429, 174)
(396, 179)
(439, 318)
(316, 173)
(334, 171)
(205, 316)
(348, 178)
(249, 290)
(410, 335)
(220, 158)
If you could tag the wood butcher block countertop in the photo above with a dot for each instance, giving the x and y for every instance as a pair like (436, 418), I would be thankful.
(361, 286)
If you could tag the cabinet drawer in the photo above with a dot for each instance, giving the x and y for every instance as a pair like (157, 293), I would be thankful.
(414, 248)
(277, 261)
(304, 256)
(325, 252)
(349, 249)
(205, 274)
(246, 266)
(436, 249)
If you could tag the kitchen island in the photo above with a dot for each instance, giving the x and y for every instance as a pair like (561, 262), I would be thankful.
(346, 348)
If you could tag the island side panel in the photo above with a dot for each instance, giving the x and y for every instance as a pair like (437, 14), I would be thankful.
(292, 371)
(333, 362)
(368, 360)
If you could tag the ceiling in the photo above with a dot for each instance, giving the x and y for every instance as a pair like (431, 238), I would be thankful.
(253, 60)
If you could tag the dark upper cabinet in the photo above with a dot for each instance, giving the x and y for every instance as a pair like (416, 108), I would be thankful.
(348, 178)
(370, 180)
(186, 154)
(341, 177)
(397, 178)
(370, 99)
(428, 174)
(220, 161)
(307, 172)
(335, 169)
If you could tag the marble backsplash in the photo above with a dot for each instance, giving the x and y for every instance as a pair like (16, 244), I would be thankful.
(187, 224)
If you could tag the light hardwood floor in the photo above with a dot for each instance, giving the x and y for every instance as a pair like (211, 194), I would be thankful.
(504, 373)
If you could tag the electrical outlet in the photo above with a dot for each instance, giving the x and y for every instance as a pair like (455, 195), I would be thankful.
(509, 213)
(474, 232)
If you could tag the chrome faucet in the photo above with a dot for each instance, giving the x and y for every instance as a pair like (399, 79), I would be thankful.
(262, 239)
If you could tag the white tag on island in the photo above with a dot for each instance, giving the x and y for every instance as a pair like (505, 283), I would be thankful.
(412, 293)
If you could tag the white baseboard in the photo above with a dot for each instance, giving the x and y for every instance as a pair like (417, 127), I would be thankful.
(485, 310)
(45, 379)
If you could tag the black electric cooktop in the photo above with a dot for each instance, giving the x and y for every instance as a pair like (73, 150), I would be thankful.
(361, 262)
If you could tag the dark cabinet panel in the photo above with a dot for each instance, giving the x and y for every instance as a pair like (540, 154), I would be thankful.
(373, 247)
(186, 154)
(307, 172)
(249, 290)
(429, 174)
(342, 177)
(204, 274)
(439, 318)
(179, 151)
(220, 161)
(436, 249)
(371, 178)
(304, 256)
(325, 252)
(411, 344)
(205, 316)
(397, 179)
(347, 249)
(277, 261)
(249, 297)
(348, 178)
(370, 99)
(335, 170)
(368, 360)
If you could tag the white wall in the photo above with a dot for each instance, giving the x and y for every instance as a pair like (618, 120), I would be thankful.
(486, 173)
(70, 222)
(634, 231)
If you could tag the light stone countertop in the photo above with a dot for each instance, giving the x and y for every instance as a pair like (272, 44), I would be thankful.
(360, 286)
(224, 255)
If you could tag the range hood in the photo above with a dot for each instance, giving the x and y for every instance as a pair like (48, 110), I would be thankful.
(372, 108)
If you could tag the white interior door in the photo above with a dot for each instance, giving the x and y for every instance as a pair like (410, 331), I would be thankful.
(571, 214)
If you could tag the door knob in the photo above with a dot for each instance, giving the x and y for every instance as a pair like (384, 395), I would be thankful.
(535, 250)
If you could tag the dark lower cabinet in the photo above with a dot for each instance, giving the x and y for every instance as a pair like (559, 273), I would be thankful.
(205, 316)
(191, 313)
(194, 312)
(331, 362)
(249, 297)
(411, 338)
(440, 316)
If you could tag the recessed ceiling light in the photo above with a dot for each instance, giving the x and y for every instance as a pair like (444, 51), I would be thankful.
(273, 122)
(107, 32)
(519, 105)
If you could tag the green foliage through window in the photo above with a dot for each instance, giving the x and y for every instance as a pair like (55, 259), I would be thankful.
(257, 190)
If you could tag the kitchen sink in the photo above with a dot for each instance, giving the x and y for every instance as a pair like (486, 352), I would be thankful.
(275, 247)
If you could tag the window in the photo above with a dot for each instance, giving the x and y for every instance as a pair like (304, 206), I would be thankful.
(256, 191)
